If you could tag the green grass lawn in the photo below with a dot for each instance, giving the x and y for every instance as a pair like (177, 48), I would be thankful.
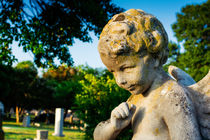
(15, 131)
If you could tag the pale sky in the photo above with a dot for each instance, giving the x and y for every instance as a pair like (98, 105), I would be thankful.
(86, 53)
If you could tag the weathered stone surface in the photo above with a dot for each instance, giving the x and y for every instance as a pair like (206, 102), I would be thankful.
(133, 45)
(200, 95)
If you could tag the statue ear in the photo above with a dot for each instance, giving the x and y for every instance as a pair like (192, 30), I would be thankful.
(154, 62)
(157, 63)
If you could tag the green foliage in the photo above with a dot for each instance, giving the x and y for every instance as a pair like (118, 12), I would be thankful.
(174, 54)
(26, 65)
(100, 94)
(193, 29)
(6, 57)
(65, 91)
(47, 28)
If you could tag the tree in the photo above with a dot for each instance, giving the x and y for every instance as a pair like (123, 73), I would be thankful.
(61, 73)
(173, 56)
(26, 65)
(18, 80)
(64, 80)
(193, 29)
(41, 94)
(6, 56)
(47, 28)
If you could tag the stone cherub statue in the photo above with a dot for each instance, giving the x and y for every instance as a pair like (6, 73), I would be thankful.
(133, 46)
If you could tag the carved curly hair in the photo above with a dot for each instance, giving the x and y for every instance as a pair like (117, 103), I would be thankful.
(132, 32)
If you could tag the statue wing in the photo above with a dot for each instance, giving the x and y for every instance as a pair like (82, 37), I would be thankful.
(200, 94)
(180, 76)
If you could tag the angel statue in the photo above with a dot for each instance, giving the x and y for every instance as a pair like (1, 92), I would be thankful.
(134, 46)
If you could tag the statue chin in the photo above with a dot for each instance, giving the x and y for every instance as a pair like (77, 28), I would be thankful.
(138, 90)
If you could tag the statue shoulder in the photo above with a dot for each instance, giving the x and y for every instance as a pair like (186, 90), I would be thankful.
(172, 89)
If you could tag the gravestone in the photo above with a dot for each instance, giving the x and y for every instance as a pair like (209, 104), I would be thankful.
(11, 112)
(26, 121)
(58, 122)
(1, 118)
(2, 107)
(41, 135)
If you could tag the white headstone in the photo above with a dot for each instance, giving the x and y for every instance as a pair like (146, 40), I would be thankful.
(41, 135)
(58, 122)
(26, 121)
(12, 112)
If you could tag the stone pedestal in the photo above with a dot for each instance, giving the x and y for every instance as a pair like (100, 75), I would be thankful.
(58, 122)
(41, 135)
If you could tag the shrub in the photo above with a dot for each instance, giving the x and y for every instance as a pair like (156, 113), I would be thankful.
(100, 94)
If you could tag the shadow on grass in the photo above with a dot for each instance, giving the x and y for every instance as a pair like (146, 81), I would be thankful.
(12, 125)
(13, 133)
(18, 136)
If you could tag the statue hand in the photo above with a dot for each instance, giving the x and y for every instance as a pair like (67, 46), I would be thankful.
(121, 116)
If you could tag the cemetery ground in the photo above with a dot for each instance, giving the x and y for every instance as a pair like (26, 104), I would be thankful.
(14, 131)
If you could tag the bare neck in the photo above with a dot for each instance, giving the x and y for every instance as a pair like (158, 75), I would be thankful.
(160, 77)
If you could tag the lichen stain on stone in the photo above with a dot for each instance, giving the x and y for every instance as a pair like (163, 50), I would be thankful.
(169, 87)
(135, 99)
(133, 12)
(122, 58)
(132, 32)
(156, 132)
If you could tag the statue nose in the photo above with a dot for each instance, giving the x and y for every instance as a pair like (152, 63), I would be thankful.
(121, 81)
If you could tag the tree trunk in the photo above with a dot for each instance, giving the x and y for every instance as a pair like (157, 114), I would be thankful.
(71, 119)
(17, 115)
(47, 121)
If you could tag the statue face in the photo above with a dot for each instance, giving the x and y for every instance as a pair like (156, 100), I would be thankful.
(133, 73)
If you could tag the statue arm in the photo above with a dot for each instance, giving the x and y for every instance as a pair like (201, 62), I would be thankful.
(180, 118)
(120, 118)
(105, 131)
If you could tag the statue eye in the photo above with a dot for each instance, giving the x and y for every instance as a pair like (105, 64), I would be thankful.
(126, 68)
